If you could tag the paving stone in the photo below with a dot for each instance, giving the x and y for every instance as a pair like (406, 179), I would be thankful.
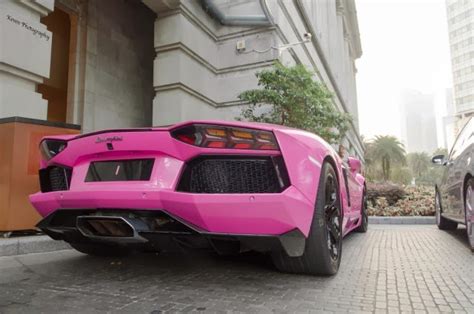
(390, 269)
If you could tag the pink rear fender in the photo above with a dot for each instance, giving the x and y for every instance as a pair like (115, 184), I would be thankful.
(304, 154)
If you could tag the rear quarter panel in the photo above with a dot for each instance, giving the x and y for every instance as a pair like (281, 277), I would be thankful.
(304, 154)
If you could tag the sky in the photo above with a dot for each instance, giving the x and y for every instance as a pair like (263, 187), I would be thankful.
(405, 46)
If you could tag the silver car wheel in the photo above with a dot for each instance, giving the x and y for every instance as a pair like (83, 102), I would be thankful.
(437, 208)
(470, 215)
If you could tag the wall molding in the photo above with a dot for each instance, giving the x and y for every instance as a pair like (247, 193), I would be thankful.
(35, 6)
(200, 96)
(184, 11)
(207, 64)
(188, 14)
(21, 73)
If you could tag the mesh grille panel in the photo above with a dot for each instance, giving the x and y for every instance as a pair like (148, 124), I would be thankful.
(227, 175)
(55, 179)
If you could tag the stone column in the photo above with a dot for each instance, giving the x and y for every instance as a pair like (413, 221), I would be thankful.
(25, 56)
(198, 73)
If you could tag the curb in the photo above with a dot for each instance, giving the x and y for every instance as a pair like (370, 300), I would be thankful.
(43, 243)
(407, 220)
(30, 244)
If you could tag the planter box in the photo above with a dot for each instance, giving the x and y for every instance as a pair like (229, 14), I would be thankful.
(19, 164)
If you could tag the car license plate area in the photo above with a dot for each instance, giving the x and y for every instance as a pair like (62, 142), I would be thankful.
(120, 170)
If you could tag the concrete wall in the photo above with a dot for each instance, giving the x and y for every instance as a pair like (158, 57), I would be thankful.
(119, 65)
(54, 89)
(25, 51)
(339, 41)
(331, 53)
(198, 73)
(130, 67)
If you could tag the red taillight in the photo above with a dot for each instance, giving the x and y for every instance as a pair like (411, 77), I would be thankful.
(243, 146)
(270, 147)
(213, 136)
(190, 139)
(215, 144)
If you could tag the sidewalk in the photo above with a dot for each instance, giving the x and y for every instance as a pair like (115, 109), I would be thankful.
(42, 243)
(30, 244)
(389, 269)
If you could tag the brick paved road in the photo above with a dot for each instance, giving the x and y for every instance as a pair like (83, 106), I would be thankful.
(391, 268)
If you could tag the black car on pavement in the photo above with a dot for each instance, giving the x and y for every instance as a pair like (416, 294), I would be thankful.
(454, 198)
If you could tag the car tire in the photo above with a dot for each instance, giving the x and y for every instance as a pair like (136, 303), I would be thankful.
(469, 211)
(103, 250)
(323, 247)
(364, 215)
(442, 222)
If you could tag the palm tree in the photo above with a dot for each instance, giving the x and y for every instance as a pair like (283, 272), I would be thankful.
(371, 167)
(388, 151)
(419, 163)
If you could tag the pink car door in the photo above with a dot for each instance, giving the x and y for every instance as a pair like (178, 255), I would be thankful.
(355, 188)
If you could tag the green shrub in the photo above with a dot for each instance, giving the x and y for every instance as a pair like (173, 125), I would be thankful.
(295, 99)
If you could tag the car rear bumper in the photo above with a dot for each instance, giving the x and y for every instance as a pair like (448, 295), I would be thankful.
(158, 230)
(226, 214)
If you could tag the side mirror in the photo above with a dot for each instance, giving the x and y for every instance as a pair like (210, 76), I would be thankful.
(438, 159)
(354, 164)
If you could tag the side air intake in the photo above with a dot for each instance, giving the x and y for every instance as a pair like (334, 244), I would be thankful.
(55, 178)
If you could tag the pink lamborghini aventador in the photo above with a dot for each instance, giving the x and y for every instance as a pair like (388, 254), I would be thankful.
(228, 186)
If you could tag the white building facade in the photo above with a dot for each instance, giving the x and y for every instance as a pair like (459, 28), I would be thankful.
(131, 63)
(449, 120)
(460, 15)
(461, 38)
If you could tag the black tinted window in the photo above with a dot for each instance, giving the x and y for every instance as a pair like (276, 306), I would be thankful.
(463, 139)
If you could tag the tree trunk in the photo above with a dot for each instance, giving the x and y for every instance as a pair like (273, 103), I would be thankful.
(388, 168)
(385, 168)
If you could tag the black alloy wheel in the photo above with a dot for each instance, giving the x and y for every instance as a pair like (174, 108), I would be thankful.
(323, 248)
(333, 217)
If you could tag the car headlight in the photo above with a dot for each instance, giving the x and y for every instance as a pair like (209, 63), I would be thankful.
(50, 148)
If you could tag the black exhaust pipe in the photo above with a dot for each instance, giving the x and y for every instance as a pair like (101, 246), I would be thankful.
(112, 228)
